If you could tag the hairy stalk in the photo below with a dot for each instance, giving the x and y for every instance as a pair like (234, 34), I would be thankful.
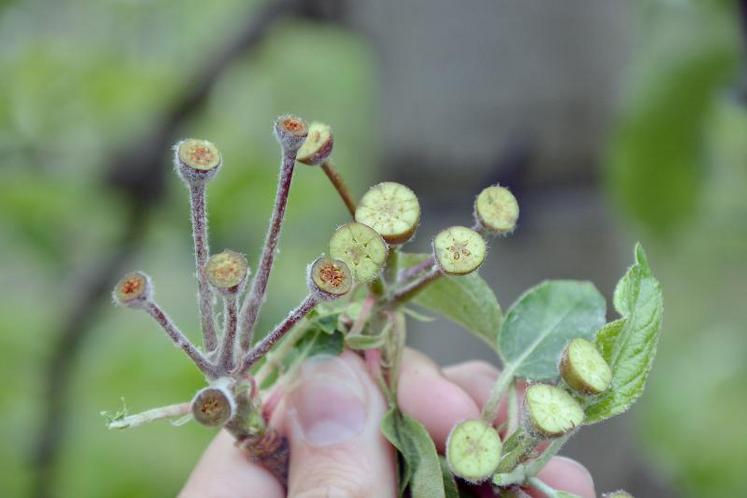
(227, 352)
(513, 409)
(138, 170)
(393, 350)
(411, 289)
(336, 179)
(261, 443)
(414, 271)
(543, 488)
(363, 316)
(392, 260)
(490, 410)
(199, 234)
(178, 337)
(256, 296)
(170, 411)
(274, 358)
(280, 330)
(533, 467)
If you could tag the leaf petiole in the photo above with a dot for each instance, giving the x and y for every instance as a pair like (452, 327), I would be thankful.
(505, 379)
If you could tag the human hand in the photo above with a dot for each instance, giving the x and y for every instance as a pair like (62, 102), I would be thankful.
(330, 413)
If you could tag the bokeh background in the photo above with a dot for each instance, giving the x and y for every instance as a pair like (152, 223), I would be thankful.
(613, 121)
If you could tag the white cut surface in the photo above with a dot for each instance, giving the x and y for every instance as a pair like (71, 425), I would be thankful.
(391, 209)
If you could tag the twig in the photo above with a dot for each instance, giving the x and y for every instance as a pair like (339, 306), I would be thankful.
(138, 170)
(178, 337)
(256, 296)
(130, 421)
(414, 271)
(280, 330)
(226, 361)
(272, 358)
(201, 245)
(336, 179)
(413, 288)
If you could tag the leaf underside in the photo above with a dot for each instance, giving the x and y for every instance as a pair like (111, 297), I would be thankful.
(422, 470)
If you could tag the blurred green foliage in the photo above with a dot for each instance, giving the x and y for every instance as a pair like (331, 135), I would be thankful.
(693, 417)
(683, 56)
(677, 165)
(81, 78)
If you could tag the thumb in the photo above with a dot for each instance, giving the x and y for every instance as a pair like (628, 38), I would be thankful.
(336, 448)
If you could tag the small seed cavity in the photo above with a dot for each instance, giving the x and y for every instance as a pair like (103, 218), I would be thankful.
(361, 248)
(473, 450)
(331, 277)
(213, 406)
(133, 288)
(200, 155)
(294, 125)
(227, 269)
(459, 250)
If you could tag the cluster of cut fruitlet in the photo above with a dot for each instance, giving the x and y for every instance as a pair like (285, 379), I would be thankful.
(362, 254)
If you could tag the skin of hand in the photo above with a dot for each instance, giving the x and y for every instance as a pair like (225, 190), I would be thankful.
(330, 412)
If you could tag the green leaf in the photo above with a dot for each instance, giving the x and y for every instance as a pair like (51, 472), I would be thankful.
(607, 337)
(539, 325)
(629, 344)
(515, 449)
(563, 494)
(422, 470)
(450, 486)
(417, 316)
(327, 324)
(317, 341)
(466, 300)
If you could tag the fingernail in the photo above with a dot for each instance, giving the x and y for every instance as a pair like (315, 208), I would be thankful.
(328, 401)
